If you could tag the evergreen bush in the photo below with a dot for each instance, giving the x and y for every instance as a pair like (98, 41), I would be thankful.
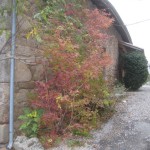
(136, 72)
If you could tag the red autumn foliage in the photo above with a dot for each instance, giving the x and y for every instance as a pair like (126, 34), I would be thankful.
(63, 97)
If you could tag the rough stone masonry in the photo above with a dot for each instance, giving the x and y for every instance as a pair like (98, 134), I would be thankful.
(27, 70)
(4, 71)
(27, 66)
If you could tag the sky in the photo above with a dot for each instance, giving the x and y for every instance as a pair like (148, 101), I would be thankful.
(132, 11)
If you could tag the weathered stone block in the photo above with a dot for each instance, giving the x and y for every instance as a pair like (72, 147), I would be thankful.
(27, 60)
(21, 40)
(5, 18)
(6, 49)
(4, 98)
(3, 148)
(38, 72)
(24, 51)
(22, 72)
(26, 23)
(21, 96)
(4, 93)
(20, 102)
(4, 133)
(4, 3)
(17, 125)
(4, 113)
(4, 69)
(25, 54)
(2, 39)
(18, 110)
(30, 60)
(26, 85)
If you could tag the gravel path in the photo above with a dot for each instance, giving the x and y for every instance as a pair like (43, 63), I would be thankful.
(128, 129)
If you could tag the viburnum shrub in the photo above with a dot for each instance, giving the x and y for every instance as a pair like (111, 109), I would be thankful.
(74, 91)
(136, 71)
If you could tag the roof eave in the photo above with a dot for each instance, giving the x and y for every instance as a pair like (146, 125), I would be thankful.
(129, 45)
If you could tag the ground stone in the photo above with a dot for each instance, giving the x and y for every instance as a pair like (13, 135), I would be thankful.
(23, 143)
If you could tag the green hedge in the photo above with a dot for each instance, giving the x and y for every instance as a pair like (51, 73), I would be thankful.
(136, 71)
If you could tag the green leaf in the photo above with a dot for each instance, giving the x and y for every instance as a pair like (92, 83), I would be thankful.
(36, 119)
(23, 126)
(22, 117)
(106, 102)
(35, 127)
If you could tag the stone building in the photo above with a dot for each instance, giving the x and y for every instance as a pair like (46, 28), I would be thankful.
(27, 55)
(120, 41)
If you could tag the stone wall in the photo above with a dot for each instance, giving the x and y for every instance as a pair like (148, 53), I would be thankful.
(28, 70)
(112, 48)
(4, 70)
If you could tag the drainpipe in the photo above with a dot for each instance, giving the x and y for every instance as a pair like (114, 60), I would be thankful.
(12, 72)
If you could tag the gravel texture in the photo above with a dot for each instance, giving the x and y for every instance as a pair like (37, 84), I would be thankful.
(128, 129)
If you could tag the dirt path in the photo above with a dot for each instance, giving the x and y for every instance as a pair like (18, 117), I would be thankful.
(128, 129)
